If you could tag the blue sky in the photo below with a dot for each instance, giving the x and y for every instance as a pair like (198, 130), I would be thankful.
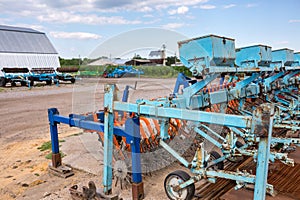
(78, 27)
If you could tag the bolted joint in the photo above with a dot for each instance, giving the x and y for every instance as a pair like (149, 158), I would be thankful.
(107, 88)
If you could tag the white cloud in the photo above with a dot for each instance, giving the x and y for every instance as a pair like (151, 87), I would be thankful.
(148, 16)
(229, 6)
(173, 25)
(66, 17)
(39, 6)
(251, 5)
(207, 7)
(294, 21)
(75, 35)
(145, 9)
(93, 11)
(179, 10)
(172, 12)
(182, 10)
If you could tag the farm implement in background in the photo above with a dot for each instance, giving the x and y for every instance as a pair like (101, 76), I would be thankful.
(120, 71)
(27, 77)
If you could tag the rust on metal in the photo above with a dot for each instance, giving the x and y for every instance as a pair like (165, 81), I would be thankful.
(138, 191)
(56, 160)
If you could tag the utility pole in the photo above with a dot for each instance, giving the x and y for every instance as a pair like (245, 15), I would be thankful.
(164, 54)
(79, 60)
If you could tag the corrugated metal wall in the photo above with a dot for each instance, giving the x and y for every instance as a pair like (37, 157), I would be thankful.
(22, 60)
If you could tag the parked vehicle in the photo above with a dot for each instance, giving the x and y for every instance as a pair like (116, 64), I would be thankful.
(121, 71)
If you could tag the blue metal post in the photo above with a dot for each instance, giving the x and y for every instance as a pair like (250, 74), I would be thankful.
(56, 158)
(125, 94)
(164, 127)
(108, 138)
(181, 80)
(262, 126)
(132, 129)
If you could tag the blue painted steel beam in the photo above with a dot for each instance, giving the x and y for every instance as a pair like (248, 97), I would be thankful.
(213, 132)
(263, 128)
(108, 138)
(287, 77)
(184, 114)
(193, 89)
(164, 127)
(53, 130)
(80, 122)
(247, 81)
(181, 80)
(132, 128)
(174, 153)
(271, 79)
(206, 136)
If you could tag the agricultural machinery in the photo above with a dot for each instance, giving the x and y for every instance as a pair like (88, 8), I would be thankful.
(120, 71)
(28, 77)
(244, 102)
(13, 76)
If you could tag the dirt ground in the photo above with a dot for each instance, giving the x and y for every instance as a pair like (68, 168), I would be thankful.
(24, 127)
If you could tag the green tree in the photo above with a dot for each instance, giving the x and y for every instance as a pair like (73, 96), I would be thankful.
(172, 60)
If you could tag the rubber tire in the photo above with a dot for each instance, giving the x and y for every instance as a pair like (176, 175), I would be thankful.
(2, 82)
(215, 155)
(184, 176)
(31, 83)
(13, 84)
(49, 82)
(73, 80)
(23, 83)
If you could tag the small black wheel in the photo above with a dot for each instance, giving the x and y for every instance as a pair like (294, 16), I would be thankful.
(174, 179)
(13, 84)
(2, 82)
(73, 80)
(213, 156)
(49, 82)
(31, 83)
(23, 83)
(236, 159)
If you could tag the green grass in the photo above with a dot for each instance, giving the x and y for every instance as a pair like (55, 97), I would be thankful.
(163, 71)
(49, 155)
(47, 145)
(76, 134)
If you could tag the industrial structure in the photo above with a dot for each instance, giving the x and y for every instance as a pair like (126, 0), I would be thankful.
(251, 94)
(27, 55)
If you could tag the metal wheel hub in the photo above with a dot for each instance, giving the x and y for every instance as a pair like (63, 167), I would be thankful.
(172, 185)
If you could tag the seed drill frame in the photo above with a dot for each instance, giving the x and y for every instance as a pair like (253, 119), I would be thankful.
(272, 76)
